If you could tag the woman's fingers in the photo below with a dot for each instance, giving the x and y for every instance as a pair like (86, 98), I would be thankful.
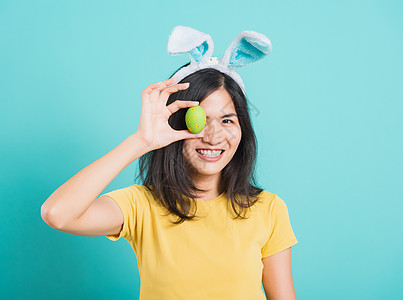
(172, 89)
(161, 84)
(175, 106)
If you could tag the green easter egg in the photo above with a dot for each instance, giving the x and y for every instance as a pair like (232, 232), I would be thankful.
(195, 119)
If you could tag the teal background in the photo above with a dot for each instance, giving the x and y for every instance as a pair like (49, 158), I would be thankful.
(326, 107)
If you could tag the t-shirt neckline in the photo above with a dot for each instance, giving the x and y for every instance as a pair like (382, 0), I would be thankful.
(221, 196)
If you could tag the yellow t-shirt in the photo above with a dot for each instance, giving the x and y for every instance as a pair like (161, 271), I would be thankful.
(213, 257)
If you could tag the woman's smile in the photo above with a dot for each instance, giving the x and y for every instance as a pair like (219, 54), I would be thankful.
(210, 156)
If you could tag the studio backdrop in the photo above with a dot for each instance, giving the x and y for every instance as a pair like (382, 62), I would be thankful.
(326, 106)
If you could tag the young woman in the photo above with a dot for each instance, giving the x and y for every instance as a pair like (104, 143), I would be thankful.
(199, 226)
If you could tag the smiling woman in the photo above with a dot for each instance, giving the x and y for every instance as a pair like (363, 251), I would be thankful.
(198, 175)
(199, 225)
(210, 179)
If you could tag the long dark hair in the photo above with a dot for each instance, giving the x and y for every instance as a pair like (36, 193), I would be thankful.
(164, 172)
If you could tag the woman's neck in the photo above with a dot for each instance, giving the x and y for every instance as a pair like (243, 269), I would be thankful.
(212, 185)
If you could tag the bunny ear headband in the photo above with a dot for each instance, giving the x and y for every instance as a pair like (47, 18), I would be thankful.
(247, 48)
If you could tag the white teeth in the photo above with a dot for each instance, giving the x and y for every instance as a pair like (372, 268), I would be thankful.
(209, 153)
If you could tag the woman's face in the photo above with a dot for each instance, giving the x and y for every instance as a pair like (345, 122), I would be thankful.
(222, 131)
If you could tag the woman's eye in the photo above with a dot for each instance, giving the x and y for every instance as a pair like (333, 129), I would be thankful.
(228, 120)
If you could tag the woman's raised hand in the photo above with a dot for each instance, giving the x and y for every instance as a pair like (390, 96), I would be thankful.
(153, 128)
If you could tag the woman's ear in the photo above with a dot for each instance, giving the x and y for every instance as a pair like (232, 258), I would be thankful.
(197, 44)
(247, 48)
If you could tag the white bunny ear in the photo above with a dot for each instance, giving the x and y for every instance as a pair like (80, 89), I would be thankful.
(185, 39)
(247, 48)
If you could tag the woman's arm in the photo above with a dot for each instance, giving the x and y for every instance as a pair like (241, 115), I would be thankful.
(277, 276)
(71, 200)
(67, 205)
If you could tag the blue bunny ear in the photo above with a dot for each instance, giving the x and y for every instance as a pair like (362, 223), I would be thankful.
(197, 44)
(247, 48)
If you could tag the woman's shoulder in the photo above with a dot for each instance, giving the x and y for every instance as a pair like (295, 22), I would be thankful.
(268, 197)
(139, 189)
(266, 194)
(136, 192)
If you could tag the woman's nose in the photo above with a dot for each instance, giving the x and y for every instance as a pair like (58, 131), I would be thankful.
(213, 133)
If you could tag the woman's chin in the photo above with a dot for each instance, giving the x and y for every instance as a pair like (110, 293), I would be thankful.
(208, 171)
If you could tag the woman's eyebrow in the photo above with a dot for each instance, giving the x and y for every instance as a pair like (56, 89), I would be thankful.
(226, 116)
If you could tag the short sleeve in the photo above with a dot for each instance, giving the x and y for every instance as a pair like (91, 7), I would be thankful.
(281, 234)
(125, 199)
